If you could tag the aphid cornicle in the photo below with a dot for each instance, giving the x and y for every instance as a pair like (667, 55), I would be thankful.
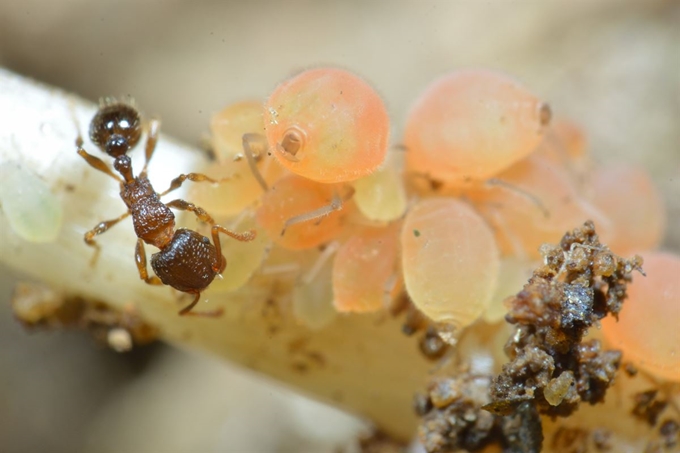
(187, 260)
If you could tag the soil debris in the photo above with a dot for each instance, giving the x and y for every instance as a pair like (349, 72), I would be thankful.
(648, 407)
(580, 282)
(37, 306)
(551, 369)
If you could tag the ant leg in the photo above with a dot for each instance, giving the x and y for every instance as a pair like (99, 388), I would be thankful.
(195, 177)
(151, 140)
(197, 210)
(95, 162)
(140, 260)
(243, 237)
(186, 311)
(248, 141)
(102, 227)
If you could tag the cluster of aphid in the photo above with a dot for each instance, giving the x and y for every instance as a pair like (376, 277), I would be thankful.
(454, 217)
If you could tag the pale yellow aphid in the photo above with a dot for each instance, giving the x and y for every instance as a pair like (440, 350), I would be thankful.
(513, 274)
(381, 196)
(243, 189)
(245, 258)
(450, 261)
(313, 292)
(33, 212)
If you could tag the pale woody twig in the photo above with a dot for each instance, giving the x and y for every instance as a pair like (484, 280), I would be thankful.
(357, 362)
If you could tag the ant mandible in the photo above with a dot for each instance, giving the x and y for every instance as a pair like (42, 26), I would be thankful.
(187, 260)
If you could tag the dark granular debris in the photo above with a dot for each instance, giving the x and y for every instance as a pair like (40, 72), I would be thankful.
(431, 344)
(670, 433)
(602, 439)
(522, 430)
(380, 442)
(39, 307)
(580, 282)
(570, 440)
(453, 419)
(648, 407)
(630, 369)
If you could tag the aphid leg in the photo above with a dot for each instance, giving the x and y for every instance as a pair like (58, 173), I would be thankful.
(186, 311)
(140, 260)
(243, 237)
(335, 205)
(95, 162)
(101, 227)
(528, 195)
(195, 177)
(151, 141)
(199, 212)
(248, 141)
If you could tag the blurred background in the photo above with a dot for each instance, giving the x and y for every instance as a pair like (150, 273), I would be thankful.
(613, 66)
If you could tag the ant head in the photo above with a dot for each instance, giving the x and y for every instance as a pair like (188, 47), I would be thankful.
(116, 128)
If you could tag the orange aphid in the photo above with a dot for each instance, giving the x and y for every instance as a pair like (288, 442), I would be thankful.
(647, 330)
(564, 144)
(472, 124)
(450, 261)
(328, 125)
(627, 195)
(292, 196)
(363, 268)
(227, 128)
(531, 203)
(572, 137)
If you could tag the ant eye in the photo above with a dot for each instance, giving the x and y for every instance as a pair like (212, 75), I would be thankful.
(116, 129)
(327, 125)
(471, 125)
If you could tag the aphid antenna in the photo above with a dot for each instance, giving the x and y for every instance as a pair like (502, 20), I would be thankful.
(531, 197)
(239, 218)
(248, 140)
(284, 268)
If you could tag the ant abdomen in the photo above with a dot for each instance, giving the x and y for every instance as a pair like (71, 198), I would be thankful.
(116, 129)
(189, 263)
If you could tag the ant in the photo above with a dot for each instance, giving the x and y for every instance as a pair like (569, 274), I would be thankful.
(187, 260)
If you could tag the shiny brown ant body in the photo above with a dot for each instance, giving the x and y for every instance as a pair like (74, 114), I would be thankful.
(187, 260)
